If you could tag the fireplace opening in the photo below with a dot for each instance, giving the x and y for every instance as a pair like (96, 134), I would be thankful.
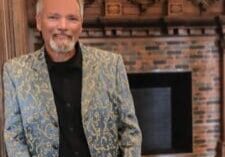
(164, 111)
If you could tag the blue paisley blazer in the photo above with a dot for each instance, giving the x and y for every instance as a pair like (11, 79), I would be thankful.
(108, 116)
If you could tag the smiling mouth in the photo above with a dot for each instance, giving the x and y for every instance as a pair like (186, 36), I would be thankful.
(62, 36)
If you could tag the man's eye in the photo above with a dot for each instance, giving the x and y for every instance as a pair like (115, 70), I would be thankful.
(53, 17)
(72, 18)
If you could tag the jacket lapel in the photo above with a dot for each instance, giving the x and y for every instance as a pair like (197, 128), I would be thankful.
(42, 82)
(45, 93)
(89, 65)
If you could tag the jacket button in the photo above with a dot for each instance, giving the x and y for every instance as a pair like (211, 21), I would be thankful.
(55, 146)
(56, 124)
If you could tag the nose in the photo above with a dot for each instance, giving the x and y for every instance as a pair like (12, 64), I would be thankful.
(62, 24)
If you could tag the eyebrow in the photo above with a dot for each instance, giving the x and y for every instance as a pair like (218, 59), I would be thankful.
(57, 14)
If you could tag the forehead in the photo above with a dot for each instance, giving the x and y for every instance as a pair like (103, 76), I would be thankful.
(61, 6)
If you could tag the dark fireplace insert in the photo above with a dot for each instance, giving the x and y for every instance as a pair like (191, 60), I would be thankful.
(163, 104)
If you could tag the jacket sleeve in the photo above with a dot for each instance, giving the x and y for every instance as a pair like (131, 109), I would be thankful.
(13, 130)
(129, 132)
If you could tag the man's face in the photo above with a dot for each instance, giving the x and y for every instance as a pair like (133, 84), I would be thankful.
(60, 22)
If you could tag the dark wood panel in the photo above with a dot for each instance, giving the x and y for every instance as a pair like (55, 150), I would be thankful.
(13, 39)
(136, 9)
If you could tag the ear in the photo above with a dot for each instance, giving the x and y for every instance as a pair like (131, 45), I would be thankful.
(38, 22)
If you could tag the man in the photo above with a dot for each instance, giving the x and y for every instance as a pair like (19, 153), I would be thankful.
(67, 99)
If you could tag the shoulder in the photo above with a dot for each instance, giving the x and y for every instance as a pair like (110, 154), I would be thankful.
(22, 62)
(100, 55)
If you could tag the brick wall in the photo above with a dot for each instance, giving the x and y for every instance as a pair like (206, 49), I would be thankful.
(197, 54)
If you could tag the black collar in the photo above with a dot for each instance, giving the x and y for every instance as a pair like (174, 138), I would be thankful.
(75, 62)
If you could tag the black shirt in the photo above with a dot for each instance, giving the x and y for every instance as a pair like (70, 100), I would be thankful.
(66, 81)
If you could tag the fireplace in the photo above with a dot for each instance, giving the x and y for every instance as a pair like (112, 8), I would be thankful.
(163, 104)
(159, 58)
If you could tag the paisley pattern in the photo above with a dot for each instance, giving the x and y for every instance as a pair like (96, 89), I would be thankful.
(108, 116)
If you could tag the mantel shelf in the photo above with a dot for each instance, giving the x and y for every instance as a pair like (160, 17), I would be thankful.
(152, 22)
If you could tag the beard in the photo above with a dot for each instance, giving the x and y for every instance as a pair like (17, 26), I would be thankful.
(64, 45)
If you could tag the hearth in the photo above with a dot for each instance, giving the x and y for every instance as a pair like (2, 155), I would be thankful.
(163, 102)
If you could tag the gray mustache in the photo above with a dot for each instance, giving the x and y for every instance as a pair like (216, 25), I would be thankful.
(62, 33)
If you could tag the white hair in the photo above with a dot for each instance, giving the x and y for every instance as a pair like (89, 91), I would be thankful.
(39, 6)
